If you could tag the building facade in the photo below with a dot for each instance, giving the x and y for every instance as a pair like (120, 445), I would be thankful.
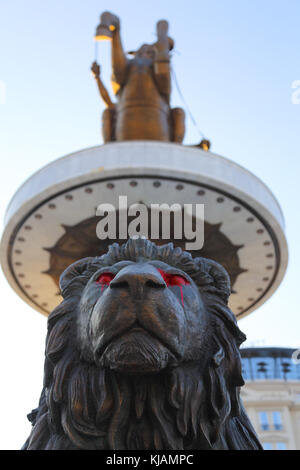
(271, 395)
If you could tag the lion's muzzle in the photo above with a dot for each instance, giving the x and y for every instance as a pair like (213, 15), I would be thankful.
(138, 280)
(137, 323)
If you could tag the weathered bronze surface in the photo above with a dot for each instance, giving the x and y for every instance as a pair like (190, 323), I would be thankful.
(142, 86)
(143, 353)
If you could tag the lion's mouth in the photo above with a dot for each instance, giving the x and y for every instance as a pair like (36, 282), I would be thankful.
(138, 329)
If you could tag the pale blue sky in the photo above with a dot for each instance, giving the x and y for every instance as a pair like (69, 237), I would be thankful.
(235, 61)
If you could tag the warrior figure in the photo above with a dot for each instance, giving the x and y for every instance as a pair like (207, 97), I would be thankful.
(142, 86)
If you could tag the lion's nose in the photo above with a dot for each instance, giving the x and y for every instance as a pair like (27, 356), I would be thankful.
(138, 279)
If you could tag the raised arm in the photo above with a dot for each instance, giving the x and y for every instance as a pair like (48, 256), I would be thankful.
(95, 68)
(162, 59)
(119, 60)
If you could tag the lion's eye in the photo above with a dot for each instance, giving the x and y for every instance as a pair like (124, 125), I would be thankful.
(173, 279)
(104, 279)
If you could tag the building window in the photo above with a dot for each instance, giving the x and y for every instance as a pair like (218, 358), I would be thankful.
(277, 422)
(277, 446)
(280, 446)
(263, 418)
(267, 445)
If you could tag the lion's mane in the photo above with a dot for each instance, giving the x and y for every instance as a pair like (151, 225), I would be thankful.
(84, 406)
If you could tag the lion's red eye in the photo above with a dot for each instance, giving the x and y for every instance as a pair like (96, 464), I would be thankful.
(104, 279)
(174, 280)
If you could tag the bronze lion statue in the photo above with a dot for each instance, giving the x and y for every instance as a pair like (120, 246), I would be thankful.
(142, 353)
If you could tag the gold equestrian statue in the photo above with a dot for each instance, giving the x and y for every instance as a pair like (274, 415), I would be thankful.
(142, 86)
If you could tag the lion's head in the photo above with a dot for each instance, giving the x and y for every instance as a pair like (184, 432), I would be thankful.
(143, 353)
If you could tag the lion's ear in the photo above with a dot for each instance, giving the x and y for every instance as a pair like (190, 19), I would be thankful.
(215, 276)
(73, 271)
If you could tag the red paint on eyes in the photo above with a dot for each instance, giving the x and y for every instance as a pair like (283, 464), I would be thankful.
(174, 280)
(104, 280)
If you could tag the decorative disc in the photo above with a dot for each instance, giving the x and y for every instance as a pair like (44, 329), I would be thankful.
(51, 221)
